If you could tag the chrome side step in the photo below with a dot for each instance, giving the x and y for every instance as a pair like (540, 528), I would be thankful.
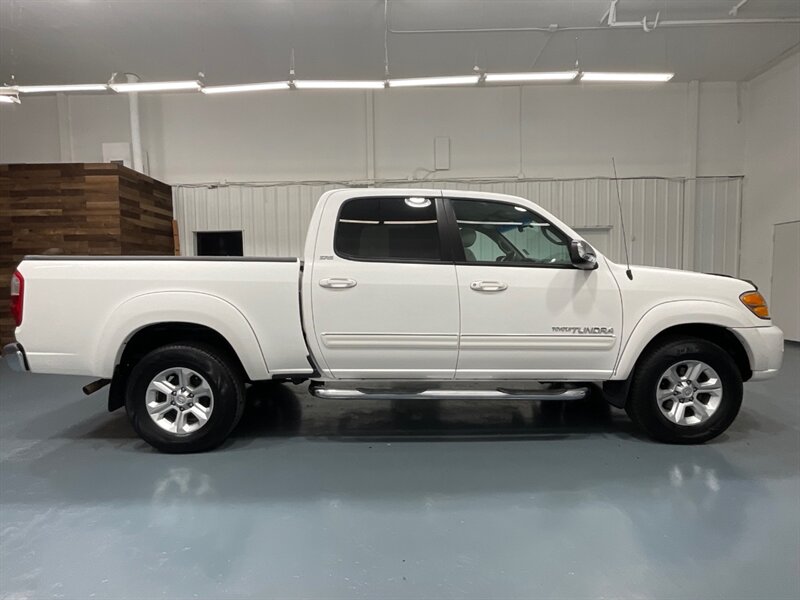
(438, 394)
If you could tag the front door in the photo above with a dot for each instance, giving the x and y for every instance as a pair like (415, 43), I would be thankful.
(384, 299)
(526, 312)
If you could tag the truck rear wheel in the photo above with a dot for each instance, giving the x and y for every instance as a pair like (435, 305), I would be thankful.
(685, 391)
(184, 398)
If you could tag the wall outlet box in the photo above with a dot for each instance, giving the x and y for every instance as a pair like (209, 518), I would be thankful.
(441, 153)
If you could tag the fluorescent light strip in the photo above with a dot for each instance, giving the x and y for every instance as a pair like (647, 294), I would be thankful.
(167, 86)
(155, 86)
(332, 84)
(518, 77)
(434, 81)
(627, 77)
(49, 89)
(246, 87)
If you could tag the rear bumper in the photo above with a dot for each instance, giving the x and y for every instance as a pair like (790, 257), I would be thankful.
(15, 357)
(764, 346)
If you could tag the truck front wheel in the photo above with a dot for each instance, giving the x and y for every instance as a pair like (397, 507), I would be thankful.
(184, 398)
(685, 391)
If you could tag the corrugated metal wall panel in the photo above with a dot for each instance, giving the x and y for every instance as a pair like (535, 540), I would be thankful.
(717, 229)
(274, 218)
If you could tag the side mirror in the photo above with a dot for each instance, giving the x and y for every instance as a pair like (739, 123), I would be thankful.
(582, 255)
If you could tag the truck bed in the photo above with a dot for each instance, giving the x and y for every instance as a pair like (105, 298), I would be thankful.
(80, 310)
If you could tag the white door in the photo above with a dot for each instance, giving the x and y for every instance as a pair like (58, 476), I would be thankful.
(526, 312)
(384, 302)
(784, 304)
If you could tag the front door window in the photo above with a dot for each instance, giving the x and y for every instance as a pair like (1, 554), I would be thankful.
(498, 232)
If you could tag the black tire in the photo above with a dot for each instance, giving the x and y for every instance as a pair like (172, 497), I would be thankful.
(224, 380)
(642, 406)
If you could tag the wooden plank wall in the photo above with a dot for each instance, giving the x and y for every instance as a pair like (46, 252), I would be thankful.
(146, 214)
(78, 208)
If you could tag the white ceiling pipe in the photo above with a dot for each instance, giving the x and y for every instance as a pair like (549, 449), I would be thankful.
(734, 12)
(555, 28)
(136, 131)
(705, 22)
(610, 17)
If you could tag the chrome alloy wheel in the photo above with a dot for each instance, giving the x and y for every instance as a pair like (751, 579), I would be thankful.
(179, 400)
(689, 392)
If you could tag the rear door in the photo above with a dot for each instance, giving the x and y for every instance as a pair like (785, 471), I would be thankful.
(526, 312)
(383, 288)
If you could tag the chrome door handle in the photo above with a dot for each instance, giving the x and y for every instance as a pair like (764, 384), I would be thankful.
(337, 283)
(488, 286)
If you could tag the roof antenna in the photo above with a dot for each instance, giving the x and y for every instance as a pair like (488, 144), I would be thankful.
(628, 271)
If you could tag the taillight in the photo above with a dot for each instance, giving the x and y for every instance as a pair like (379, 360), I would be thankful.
(17, 296)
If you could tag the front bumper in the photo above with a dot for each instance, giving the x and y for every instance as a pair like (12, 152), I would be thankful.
(15, 357)
(764, 346)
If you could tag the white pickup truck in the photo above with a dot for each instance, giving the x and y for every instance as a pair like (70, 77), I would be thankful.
(402, 293)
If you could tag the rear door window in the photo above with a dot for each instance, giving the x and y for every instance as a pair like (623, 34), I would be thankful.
(391, 229)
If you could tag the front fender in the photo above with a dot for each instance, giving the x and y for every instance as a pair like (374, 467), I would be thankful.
(179, 307)
(669, 314)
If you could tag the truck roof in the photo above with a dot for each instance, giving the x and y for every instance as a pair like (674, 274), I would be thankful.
(411, 191)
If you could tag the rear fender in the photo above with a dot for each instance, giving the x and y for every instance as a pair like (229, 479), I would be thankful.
(179, 307)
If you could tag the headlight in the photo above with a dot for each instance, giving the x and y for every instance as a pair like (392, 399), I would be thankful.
(756, 303)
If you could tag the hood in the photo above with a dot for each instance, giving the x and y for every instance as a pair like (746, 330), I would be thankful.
(674, 284)
(750, 281)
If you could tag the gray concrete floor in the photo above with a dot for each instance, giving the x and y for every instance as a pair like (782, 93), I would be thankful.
(367, 500)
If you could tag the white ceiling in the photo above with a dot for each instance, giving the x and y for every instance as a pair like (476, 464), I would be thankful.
(80, 41)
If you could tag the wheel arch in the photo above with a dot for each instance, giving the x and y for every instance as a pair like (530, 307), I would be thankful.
(711, 321)
(717, 334)
(156, 335)
(191, 308)
(150, 320)
(616, 391)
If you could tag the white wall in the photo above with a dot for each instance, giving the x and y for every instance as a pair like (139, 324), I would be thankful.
(483, 126)
(570, 134)
(772, 165)
(282, 136)
(567, 131)
(95, 120)
(29, 131)
(721, 134)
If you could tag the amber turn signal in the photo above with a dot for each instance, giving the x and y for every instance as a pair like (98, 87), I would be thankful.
(756, 303)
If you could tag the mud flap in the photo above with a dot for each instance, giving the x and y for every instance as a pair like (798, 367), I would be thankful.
(616, 392)
(116, 393)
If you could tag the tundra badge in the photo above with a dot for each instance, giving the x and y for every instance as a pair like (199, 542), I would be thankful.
(585, 330)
